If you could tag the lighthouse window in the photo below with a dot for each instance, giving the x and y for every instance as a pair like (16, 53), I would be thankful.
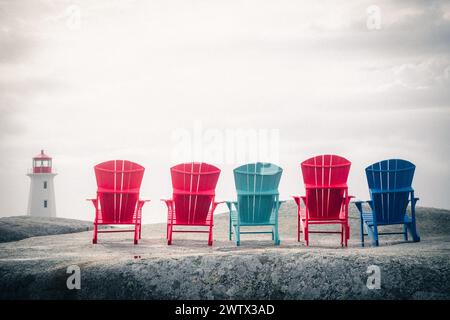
(45, 203)
(45, 184)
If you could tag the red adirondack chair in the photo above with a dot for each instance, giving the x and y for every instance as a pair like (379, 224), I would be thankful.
(193, 202)
(326, 200)
(117, 201)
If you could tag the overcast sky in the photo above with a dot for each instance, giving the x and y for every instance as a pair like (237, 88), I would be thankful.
(90, 81)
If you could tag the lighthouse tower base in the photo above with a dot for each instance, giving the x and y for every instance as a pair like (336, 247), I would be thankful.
(41, 202)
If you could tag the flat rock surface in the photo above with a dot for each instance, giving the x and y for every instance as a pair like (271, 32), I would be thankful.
(22, 227)
(115, 268)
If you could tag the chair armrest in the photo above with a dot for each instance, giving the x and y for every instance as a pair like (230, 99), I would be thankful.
(94, 202)
(167, 200)
(415, 199)
(297, 200)
(215, 204)
(348, 198)
(362, 201)
(141, 203)
(169, 204)
(279, 203)
(359, 204)
(230, 205)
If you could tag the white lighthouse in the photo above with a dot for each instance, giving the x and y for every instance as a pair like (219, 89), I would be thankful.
(41, 202)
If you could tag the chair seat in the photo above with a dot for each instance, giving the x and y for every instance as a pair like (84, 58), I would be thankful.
(106, 222)
(185, 223)
(102, 220)
(368, 219)
(234, 218)
(205, 222)
(340, 219)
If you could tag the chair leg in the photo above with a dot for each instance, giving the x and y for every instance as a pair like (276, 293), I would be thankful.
(413, 231)
(136, 233)
(342, 235)
(306, 235)
(94, 239)
(210, 238)
(238, 235)
(373, 234)
(169, 234)
(140, 231)
(405, 232)
(347, 234)
(276, 236)
(230, 230)
(298, 229)
(362, 232)
(167, 231)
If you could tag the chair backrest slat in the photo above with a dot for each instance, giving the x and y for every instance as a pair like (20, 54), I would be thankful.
(390, 183)
(194, 187)
(257, 191)
(325, 179)
(118, 185)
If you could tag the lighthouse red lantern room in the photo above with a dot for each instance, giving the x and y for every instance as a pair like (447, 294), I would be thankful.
(41, 201)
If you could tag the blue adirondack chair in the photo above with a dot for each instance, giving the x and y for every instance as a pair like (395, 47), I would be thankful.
(257, 200)
(390, 191)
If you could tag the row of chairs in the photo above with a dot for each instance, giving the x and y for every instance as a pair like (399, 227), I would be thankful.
(326, 199)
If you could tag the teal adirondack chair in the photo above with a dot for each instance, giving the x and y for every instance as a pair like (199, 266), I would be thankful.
(257, 200)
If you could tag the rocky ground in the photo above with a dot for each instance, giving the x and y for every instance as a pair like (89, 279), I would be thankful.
(22, 227)
(35, 268)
